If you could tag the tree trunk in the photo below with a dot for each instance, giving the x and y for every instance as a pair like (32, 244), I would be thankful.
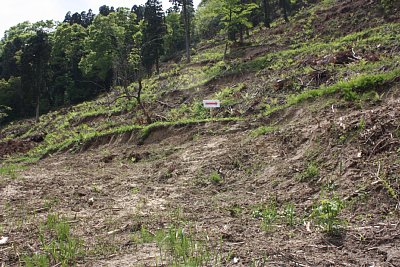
(285, 6)
(225, 50)
(37, 107)
(125, 81)
(241, 27)
(158, 64)
(38, 84)
(267, 19)
(187, 29)
(241, 39)
(227, 38)
(148, 118)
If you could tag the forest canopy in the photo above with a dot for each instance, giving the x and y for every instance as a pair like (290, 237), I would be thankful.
(46, 65)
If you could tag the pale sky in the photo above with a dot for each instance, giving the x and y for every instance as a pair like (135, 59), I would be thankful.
(13, 12)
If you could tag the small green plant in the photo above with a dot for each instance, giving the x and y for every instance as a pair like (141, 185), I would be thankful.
(143, 236)
(235, 210)
(268, 215)
(330, 186)
(10, 170)
(135, 190)
(177, 247)
(57, 243)
(361, 124)
(389, 188)
(310, 173)
(290, 214)
(263, 130)
(37, 260)
(215, 177)
(326, 214)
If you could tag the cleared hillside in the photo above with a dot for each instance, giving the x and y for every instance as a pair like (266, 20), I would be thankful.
(299, 167)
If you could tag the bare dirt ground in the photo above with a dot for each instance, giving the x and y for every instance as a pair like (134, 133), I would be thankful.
(108, 192)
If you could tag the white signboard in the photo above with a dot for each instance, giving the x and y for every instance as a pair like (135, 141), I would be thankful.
(211, 103)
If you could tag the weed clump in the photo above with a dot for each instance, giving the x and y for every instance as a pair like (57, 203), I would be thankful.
(326, 214)
(215, 178)
(58, 245)
(177, 247)
(310, 173)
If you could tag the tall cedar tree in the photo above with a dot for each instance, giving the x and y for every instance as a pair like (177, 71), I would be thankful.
(139, 11)
(106, 10)
(84, 19)
(153, 35)
(187, 6)
(35, 59)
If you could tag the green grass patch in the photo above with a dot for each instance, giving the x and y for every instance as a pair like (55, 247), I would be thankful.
(352, 90)
(263, 130)
(215, 178)
(146, 131)
(178, 247)
(310, 173)
(268, 214)
(384, 34)
(10, 170)
(58, 246)
(55, 142)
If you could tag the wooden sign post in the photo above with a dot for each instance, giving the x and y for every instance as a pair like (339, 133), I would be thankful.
(211, 104)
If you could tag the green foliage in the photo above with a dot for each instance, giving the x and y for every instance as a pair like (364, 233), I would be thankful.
(268, 214)
(153, 32)
(174, 39)
(9, 104)
(327, 3)
(289, 213)
(3, 112)
(10, 170)
(326, 214)
(310, 173)
(36, 260)
(177, 247)
(361, 124)
(235, 210)
(263, 130)
(67, 52)
(208, 19)
(215, 70)
(144, 236)
(76, 138)
(230, 95)
(235, 17)
(106, 40)
(389, 188)
(384, 34)
(58, 245)
(350, 89)
(215, 178)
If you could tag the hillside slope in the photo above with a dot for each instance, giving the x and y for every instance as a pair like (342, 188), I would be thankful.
(309, 129)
